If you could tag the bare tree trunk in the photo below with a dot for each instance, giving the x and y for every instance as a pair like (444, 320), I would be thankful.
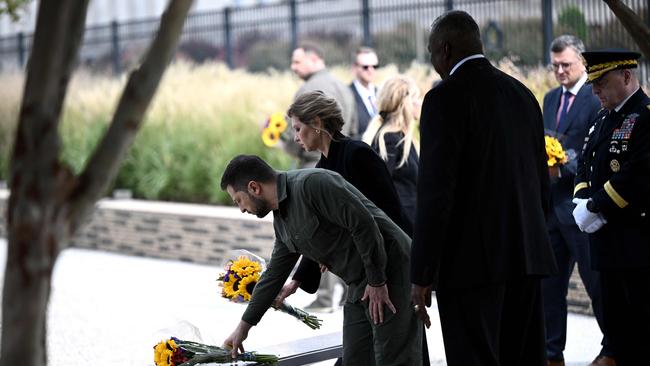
(39, 184)
(633, 23)
(48, 203)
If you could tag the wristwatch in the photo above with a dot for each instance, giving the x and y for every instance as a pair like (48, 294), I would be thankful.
(591, 206)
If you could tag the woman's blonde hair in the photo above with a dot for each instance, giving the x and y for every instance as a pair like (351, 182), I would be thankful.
(395, 103)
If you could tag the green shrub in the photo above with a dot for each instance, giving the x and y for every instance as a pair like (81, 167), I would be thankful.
(521, 41)
(572, 21)
(269, 55)
(397, 46)
(200, 118)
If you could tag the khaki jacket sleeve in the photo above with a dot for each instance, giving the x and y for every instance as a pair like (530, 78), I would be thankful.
(271, 282)
(340, 203)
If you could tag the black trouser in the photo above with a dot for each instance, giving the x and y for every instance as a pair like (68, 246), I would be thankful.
(626, 314)
(571, 247)
(493, 325)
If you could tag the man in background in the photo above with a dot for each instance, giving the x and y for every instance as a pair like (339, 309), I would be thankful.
(365, 64)
(569, 110)
(308, 62)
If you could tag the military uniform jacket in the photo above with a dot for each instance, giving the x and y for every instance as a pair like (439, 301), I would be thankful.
(326, 219)
(614, 171)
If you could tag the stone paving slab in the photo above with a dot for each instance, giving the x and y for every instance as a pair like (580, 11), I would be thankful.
(110, 309)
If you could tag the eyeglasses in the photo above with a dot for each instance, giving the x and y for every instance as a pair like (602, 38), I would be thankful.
(563, 65)
(366, 67)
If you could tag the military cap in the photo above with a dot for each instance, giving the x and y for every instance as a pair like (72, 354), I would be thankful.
(600, 62)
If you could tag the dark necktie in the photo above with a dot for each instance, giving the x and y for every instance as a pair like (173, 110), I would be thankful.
(565, 109)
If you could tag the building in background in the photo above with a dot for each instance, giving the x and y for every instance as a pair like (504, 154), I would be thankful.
(106, 11)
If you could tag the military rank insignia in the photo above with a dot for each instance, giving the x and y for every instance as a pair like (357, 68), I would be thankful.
(615, 165)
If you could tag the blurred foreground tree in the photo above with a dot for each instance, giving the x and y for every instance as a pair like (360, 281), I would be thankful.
(48, 203)
(639, 31)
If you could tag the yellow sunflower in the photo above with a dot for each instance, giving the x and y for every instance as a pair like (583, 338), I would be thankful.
(246, 286)
(230, 287)
(243, 266)
(270, 136)
(163, 353)
(277, 122)
(554, 151)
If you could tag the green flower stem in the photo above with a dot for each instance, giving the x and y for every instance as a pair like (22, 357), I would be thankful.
(311, 321)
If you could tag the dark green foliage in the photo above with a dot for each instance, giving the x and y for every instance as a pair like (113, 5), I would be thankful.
(521, 41)
(269, 55)
(397, 45)
(572, 21)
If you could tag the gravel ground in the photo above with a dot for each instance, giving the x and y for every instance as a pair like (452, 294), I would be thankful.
(111, 309)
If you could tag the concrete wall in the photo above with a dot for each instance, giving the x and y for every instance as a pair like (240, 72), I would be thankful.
(196, 233)
(192, 233)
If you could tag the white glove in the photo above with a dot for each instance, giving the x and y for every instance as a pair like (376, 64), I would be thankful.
(588, 222)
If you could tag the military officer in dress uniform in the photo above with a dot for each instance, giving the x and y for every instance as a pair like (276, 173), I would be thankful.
(612, 193)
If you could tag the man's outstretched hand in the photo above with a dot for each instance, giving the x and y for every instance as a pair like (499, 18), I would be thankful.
(235, 342)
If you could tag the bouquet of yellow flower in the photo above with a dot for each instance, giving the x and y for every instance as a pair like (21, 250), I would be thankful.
(275, 125)
(239, 280)
(177, 352)
(554, 151)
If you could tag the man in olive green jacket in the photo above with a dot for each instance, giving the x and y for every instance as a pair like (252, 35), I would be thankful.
(321, 216)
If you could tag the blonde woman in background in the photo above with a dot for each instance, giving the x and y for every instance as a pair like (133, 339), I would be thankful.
(390, 133)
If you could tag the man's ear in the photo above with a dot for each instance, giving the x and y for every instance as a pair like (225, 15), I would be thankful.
(627, 76)
(254, 188)
(446, 50)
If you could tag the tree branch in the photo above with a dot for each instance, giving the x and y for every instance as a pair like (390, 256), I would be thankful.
(633, 24)
(102, 167)
(37, 177)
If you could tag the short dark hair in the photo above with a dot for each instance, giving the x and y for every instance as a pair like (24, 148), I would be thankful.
(459, 29)
(309, 47)
(245, 168)
(310, 105)
(560, 43)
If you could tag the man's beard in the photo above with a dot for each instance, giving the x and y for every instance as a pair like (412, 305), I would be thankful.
(260, 206)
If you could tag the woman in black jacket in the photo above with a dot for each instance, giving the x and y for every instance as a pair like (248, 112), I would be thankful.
(316, 120)
(390, 133)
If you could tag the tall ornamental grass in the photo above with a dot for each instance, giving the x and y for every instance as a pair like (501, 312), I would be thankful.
(200, 118)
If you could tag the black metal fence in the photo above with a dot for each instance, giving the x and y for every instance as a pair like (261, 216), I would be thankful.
(261, 37)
